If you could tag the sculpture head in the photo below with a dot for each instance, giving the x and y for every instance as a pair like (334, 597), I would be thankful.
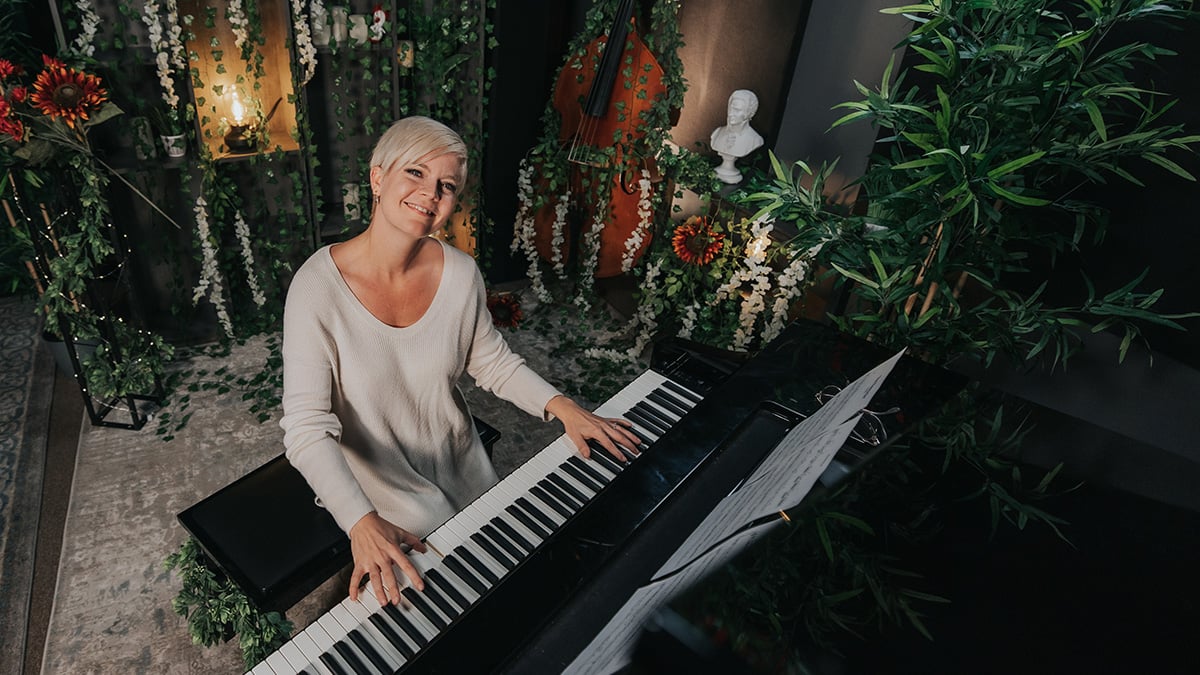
(743, 103)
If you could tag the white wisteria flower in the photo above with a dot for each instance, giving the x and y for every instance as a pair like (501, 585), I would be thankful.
(556, 234)
(210, 283)
(243, 235)
(645, 209)
(236, 14)
(306, 53)
(525, 231)
(89, 23)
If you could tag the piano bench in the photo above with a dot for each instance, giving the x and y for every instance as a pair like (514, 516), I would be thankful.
(266, 532)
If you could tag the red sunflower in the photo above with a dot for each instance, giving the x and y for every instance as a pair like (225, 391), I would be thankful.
(8, 69)
(9, 124)
(505, 310)
(65, 92)
(695, 241)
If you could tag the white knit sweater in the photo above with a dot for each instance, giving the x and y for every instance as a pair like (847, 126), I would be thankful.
(373, 417)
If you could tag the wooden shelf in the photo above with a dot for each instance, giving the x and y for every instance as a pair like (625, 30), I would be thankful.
(220, 72)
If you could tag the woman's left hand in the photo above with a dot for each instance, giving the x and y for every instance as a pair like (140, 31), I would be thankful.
(582, 425)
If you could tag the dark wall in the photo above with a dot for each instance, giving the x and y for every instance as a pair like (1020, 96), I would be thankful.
(532, 38)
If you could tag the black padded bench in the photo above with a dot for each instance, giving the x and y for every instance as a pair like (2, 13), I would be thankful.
(266, 532)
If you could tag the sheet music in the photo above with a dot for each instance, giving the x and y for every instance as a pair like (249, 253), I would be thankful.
(767, 492)
(781, 481)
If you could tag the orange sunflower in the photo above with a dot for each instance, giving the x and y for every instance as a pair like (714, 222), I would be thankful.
(9, 124)
(505, 310)
(695, 241)
(64, 92)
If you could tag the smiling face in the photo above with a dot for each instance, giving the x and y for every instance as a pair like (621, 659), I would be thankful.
(417, 198)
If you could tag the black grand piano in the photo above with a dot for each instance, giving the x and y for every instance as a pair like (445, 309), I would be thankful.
(523, 578)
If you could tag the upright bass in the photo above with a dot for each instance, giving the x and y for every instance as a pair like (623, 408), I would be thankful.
(604, 96)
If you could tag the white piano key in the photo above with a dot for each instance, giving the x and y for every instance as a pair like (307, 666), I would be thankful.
(333, 628)
(264, 669)
(372, 607)
(476, 518)
(311, 651)
(502, 513)
(295, 657)
(324, 643)
(483, 556)
(357, 613)
(458, 584)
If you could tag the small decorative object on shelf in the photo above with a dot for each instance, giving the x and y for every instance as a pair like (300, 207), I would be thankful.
(341, 24)
(379, 17)
(175, 145)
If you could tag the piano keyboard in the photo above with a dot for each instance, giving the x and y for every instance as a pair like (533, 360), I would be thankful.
(473, 551)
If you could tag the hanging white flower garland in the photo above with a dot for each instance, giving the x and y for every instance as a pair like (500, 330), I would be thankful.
(557, 236)
(89, 23)
(164, 51)
(239, 23)
(210, 276)
(590, 249)
(688, 323)
(758, 274)
(306, 53)
(524, 231)
(645, 210)
(243, 235)
(644, 321)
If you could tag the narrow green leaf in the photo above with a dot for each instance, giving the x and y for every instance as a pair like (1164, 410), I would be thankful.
(1016, 198)
(1012, 166)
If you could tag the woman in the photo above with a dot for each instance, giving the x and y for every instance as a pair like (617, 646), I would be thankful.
(377, 332)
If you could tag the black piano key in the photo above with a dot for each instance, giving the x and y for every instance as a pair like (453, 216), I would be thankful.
(405, 625)
(658, 416)
(538, 513)
(574, 472)
(691, 396)
(364, 645)
(607, 461)
(646, 423)
(644, 441)
(566, 486)
(477, 565)
(597, 449)
(351, 659)
(667, 404)
(449, 589)
(418, 600)
(487, 545)
(500, 540)
(555, 497)
(527, 520)
(674, 399)
(392, 636)
(332, 664)
(591, 472)
(433, 591)
(511, 532)
(463, 573)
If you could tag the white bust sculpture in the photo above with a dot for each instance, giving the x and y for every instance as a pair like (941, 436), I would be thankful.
(737, 138)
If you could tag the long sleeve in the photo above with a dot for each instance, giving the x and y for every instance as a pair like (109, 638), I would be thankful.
(311, 430)
(497, 369)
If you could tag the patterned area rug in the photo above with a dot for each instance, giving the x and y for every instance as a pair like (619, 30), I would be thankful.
(112, 611)
(26, 387)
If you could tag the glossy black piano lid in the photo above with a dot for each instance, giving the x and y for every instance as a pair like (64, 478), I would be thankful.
(552, 605)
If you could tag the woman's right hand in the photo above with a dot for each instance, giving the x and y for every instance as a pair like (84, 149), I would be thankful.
(377, 545)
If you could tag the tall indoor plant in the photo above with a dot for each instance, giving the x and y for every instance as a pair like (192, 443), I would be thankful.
(1001, 114)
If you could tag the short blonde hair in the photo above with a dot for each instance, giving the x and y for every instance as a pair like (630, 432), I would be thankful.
(411, 138)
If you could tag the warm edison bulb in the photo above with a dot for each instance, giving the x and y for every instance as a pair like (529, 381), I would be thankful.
(238, 111)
